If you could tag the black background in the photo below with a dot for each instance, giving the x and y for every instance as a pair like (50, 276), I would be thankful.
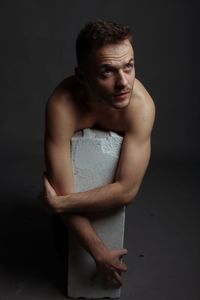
(37, 50)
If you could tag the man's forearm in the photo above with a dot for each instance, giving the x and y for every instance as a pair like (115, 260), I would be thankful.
(88, 238)
(95, 200)
(81, 226)
(90, 201)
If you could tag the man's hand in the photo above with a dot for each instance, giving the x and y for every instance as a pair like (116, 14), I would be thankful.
(110, 266)
(49, 196)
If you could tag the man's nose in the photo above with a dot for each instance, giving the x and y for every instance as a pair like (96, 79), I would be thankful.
(121, 80)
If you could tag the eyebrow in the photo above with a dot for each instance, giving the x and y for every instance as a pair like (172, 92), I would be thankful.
(111, 66)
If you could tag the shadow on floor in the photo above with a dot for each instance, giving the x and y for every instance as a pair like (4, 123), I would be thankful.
(33, 244)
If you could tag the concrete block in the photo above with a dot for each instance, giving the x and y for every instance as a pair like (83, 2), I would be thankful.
(95, 156)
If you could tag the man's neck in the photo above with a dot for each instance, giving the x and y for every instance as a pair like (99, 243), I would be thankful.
(96, 106)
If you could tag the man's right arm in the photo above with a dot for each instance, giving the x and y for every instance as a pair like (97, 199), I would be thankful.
(59, 129)
(60, 126)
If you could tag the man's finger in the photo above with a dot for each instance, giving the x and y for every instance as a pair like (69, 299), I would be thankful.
(121, 252)
(47, 186)
(46, 181)
(121, 267)
(117, 278)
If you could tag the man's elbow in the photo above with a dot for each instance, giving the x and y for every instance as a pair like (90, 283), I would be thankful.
(129, 195)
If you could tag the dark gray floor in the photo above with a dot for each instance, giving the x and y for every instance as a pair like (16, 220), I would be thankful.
(162, 235)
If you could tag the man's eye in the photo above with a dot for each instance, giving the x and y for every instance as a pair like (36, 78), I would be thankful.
(129, 66)
(106, 72)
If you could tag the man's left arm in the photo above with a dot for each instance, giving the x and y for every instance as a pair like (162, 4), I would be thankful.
(133, 162)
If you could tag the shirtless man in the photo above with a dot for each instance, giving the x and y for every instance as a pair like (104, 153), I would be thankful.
(103, 93)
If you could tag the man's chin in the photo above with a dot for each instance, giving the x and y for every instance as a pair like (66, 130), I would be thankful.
(120, 104)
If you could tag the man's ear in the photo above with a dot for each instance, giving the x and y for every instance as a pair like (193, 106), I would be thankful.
(79, 74)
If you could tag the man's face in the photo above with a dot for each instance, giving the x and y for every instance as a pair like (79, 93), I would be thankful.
(110, 75)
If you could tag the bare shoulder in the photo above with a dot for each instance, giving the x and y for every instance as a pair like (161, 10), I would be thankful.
(141, 111)
(64, 97)
(61, 113)
(61, 103)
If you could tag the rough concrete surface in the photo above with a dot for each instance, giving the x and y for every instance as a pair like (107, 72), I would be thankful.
(95, 156)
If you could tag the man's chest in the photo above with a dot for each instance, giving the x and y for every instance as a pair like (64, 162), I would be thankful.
(109, 122)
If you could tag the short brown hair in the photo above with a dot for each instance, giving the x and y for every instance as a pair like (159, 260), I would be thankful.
(99, 33)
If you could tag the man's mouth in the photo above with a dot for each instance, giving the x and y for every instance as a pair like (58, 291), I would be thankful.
(122, 93)
(121, 96)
